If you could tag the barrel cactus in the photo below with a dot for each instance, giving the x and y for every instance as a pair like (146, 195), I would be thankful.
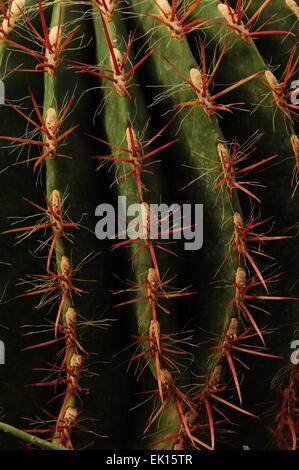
(182, 334)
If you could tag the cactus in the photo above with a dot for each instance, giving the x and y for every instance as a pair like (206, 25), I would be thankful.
(132, 340)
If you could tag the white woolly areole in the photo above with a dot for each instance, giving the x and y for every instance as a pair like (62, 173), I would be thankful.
(54, 38)
(293, 6)
(15, 11)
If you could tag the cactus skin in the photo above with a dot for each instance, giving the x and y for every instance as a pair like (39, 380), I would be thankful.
(106, 88)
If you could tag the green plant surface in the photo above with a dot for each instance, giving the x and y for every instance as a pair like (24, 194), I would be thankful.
(141, 343)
